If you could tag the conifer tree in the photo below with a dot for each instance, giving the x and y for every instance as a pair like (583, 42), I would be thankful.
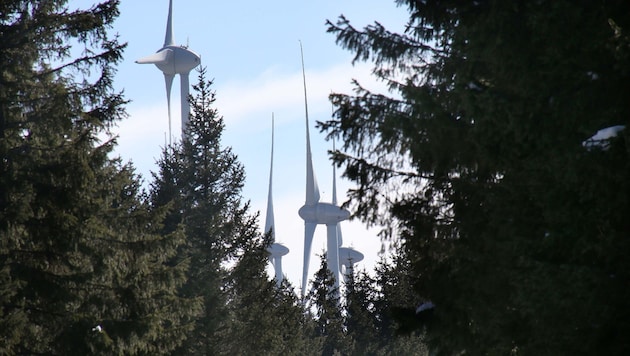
(514, 223)
(200, 182)
(264, 317)
(372, 306)
(135, 302)
(360, 320)
(329, 323)
(82, 266)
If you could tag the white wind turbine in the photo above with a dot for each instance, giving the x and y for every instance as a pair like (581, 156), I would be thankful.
(348, 257)
(171, 60)
(275, 250)
(315, 212)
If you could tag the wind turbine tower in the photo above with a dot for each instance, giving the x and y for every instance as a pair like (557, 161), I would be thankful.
(171, 60)
(315, 212)
(276, 250)
(348, 256)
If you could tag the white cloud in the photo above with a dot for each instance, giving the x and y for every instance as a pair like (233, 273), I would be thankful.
(275, 91)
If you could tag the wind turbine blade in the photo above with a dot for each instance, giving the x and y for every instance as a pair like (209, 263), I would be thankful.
(309, 231)
(339, 237)
(168, 38)
(332, 251)
(269, 221)
(160, 57)
(168, 78)
(185, 88)
(312, 190)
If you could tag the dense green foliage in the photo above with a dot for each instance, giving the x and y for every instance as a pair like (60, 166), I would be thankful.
(360, 319)
(90, 263)
(266, 319)
(82, 263)
(325, 299)
(513, 228)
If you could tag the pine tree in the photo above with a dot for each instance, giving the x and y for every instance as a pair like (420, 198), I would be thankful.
(81, 263)
(515, 229)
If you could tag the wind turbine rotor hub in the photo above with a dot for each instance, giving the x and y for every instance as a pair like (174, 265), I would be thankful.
(349, 256)
(180, 61)
(323, 213)
(277, 250)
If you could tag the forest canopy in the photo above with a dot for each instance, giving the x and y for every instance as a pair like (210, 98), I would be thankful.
(515, 226)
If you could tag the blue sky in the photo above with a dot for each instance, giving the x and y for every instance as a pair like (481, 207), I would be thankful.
(252, 51)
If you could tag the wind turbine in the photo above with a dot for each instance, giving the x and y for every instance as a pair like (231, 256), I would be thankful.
(348, 257)
(275, 250)
(315, 212)
(171, 60)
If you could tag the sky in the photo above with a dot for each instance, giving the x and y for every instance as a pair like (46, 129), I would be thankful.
(252, 52)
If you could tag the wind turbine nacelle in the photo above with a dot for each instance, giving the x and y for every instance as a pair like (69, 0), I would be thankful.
(349, 256)
(180, 60)
(323, 213)
(277, 250)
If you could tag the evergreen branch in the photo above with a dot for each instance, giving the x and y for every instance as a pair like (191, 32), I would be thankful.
(377, 43)
(376, 169)
(111, 55)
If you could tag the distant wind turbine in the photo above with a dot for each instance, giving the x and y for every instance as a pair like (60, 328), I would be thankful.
(171, 60)
(276, 250)
(348, 257)
(315, 212)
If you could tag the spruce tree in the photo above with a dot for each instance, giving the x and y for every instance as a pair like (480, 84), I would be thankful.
(199, 182)
(329, 323)
(395, 303)
(264, 317)
(515, 225)
(81, 262)
(360, 321)
(134, 301)
(373, 306)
